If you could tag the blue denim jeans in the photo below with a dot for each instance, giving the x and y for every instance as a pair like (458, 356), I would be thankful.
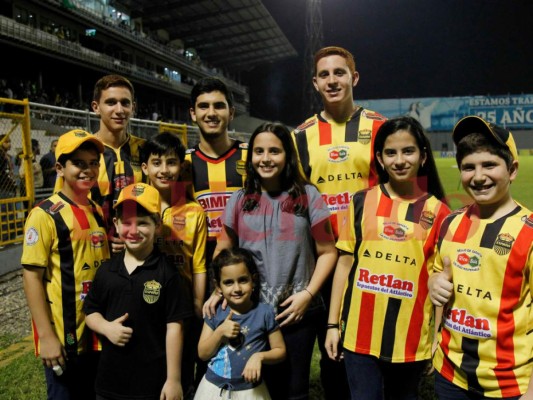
(290, 379)
(446, 390)
(372, 379)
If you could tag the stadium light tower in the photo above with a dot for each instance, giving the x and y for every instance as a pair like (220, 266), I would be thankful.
(315, 38)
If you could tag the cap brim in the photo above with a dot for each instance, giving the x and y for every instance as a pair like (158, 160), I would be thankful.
(72, 147)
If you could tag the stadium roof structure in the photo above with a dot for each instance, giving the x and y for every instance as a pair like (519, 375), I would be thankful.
(233, 34)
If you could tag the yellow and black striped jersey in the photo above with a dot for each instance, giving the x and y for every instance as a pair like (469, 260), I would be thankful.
(486, 342)
(213, 180)
(386, 311)
(118, 168)
(70, 242)
(338, 157)
(184, 236)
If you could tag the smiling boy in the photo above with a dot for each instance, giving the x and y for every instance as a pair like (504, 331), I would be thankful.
(215, 167)
(64, 244)
(335, 151)
(137, 304)
(484, 275)
(183, 235)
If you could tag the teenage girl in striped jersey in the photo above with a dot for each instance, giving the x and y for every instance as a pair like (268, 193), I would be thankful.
(380, 317)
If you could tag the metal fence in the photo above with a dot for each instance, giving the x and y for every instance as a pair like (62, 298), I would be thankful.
(22, 121)
(16, 191)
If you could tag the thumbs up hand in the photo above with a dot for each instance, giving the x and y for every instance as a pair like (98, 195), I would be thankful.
(117, 333)
(229, 329)
(440, 284)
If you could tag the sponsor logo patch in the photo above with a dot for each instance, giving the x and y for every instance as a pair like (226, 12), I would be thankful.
(338, 154)
(55, 208)
(468, 260)
(528, 221)
(305, 125)
(394, 231)
(97, 239)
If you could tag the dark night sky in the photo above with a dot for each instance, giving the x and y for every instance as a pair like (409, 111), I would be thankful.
(405, 48)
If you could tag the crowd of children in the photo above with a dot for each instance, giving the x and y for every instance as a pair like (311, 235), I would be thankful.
(159, 273)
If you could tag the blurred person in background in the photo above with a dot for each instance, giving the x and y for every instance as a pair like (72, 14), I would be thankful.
(48, 165)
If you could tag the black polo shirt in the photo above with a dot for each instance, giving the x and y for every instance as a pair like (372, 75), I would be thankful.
(153, 295)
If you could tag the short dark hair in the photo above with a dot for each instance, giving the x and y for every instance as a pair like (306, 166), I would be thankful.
(87, 146)
(475, 141)
(111, 81)
(163, 144)
(208, 85)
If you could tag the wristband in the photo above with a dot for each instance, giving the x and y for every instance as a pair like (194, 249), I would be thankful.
(310, 294)
(332, 326)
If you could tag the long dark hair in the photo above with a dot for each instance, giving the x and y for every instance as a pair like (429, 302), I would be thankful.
(292, 180)
(432, 183)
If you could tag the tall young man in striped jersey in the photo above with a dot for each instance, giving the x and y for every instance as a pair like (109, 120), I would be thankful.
(335, 148)
(484, 275)
(215, 167)
(113, 101)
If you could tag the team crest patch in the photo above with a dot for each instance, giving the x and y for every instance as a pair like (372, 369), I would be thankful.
(178, 222)
(137, 190)
(240, 166)
(31, 237)
(55, 208)
(80, 134)
(97, 239)
(503, 244)
(364, 136)
(151, 292)
(70, 338)
(426, 219)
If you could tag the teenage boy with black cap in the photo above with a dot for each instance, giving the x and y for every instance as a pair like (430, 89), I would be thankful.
(484, 275)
